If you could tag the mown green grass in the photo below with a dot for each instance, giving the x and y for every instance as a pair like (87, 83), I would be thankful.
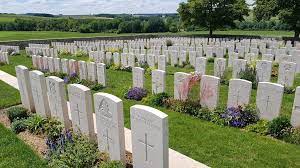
(9, 96)
(14, 153)
(203, 141)
(30, 35)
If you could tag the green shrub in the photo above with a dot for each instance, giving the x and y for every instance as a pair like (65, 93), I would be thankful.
(16, 113)
(249, 74)
(278, 126)
(169, 43)
(18, 126)
(35, 124)
(188, 107)
(53, 128)
(156, 99)
(80, 54)
(261, 127)
(111, 164)
(292, 135)
(289, 90)
(211, 60)
(79, 152)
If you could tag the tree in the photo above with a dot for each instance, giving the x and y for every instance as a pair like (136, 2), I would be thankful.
(289, 13)
(212, 14)
(265, 9)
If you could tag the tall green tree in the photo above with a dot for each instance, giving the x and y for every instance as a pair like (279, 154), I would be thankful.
(212, 14)
(289, 12)
(265, 9)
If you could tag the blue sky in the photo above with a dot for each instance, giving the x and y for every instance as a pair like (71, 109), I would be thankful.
(89, 6)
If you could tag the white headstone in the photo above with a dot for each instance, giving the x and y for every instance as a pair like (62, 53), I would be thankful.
(286, 73)
(200, 66)
(110, 125)
(269, 99)
(83, 72)
(57, 65)
(209, 91)
(22, 74)
(295, 120)
(138, 78)
(181, 81)
(80, 98)
(101, 73)
(263, 71)
(91, 71)
(149, 132)
(39, 93)
(239, 65)
(239, 93)
(57, 100)
(162, 62)
(219, 67)
(158, 81)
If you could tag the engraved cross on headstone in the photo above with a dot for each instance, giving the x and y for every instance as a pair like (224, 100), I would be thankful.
(77, 111)
(268, 102)
(147, 145)
(108, 139)
(36, 93)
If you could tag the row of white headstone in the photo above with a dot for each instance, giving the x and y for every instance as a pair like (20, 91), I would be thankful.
(268, 98)
(4, 57)
(86, 70)
(42, 51)
(7, 48)
(149, 126)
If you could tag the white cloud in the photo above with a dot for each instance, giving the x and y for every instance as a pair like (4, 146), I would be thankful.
(88, 6)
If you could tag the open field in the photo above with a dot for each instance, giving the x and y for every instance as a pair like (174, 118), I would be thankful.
(206, 142)
(30, 35)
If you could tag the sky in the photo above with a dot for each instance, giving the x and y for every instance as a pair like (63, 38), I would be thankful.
(84, 7)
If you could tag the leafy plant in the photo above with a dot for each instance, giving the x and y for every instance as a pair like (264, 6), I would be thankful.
(292, 135)
(275, 70)
(249, 74)
(289, 90)
(53, 128)
(261, 127)
(111, 164)
(278, 126)
(211, 60)
(18, 126)
(16, 113)
(35, 124)
(188, 107)
(136, 93)
(77, 151)
(80, 53)
(156, 99)
(169, 43)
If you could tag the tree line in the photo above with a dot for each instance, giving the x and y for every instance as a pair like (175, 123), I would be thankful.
(126, 24)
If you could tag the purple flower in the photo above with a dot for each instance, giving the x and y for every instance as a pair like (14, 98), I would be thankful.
(73, 75)
(237, 117)
(136, 93)
(66, 79)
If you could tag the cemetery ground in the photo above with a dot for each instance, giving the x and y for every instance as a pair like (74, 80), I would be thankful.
(203, 141)
(29, 35)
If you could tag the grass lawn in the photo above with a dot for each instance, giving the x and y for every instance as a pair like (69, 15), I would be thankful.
(203, 141)
(15, 153)
(9, 96)
(29, 35)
